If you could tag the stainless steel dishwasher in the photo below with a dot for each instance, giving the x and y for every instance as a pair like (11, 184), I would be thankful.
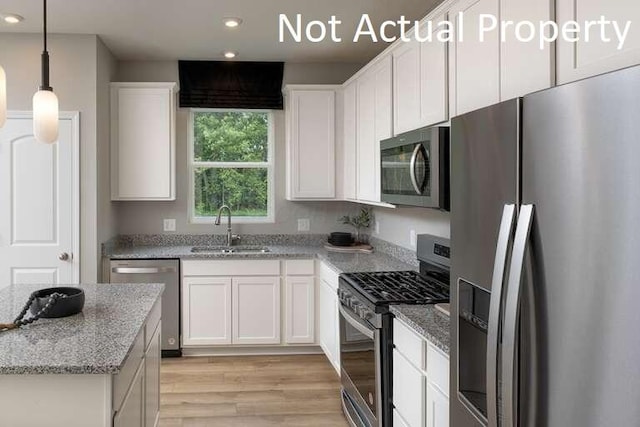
(165, 271)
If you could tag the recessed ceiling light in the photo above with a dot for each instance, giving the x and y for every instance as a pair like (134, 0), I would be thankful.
(230, 54)
(11, 18)
(232, 22)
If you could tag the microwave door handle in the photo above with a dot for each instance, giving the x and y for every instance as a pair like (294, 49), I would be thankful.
(363, 329)
(503, 246)
(511, 315)
(412, 169)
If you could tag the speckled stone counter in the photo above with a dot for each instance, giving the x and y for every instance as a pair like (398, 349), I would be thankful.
(340, 262)
(427, 322)
(95, 341)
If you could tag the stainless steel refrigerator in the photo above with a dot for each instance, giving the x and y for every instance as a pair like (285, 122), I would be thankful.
(545, 236)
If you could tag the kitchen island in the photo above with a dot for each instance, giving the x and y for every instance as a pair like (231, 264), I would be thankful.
(97, 368)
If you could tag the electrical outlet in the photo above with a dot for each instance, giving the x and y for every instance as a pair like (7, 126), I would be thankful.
(304, 224)
(169, 224)
(377, 227)
(412, 238)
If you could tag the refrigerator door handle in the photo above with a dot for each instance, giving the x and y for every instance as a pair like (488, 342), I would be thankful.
(503, 246)
(511, 315)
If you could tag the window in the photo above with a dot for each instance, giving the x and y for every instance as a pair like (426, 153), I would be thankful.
(231, 163)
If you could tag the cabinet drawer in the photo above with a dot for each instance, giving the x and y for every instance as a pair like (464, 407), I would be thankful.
(409, 344)
(152, 323)
(231, 268)
(123, 379)
(438, 368)
(408, 390)
(329, 275)
(299, 267)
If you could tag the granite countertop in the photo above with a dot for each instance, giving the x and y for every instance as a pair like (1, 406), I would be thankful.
(96, 341)
(340, 262)
(427, 321)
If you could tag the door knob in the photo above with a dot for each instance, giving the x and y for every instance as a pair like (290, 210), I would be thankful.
(63, 256)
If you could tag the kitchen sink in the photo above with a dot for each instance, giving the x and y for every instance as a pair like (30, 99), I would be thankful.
(229, 249)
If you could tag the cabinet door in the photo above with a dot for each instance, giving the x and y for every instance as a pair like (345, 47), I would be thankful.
(406, 87)
(256, 310)
(300, 307)
(434, 102)
(349, 141)
(366, 137)
(142, 156)
(152, 380)
(206, 311)
(375, 122)
(408, 390)
(524, 67)
(580, 59)
(474, 80)
(437, 407)
(383, 72)
(328, 323)
(131, 413)
(311, 144)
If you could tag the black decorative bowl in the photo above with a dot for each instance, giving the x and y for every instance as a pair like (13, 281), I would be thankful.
(72, 302)
(340, 239)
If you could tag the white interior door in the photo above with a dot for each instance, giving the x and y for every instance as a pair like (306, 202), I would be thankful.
(39, 195)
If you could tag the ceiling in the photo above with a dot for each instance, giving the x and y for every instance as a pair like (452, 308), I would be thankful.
(193, 29)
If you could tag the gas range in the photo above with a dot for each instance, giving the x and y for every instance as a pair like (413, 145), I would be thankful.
(398, 287)
(366, 330)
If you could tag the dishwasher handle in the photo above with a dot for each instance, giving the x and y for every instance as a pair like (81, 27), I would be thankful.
(143, 270)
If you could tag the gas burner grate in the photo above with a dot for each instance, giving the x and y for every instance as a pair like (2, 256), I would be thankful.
(398, 287)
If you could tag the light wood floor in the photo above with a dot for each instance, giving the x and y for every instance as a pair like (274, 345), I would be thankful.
(251, 391)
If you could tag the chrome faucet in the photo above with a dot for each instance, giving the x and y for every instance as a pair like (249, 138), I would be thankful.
(230, 236)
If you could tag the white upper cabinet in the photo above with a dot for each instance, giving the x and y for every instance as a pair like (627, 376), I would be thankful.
(311, 143)
(474, 80)
(143, 141)
(406, 87)
(367, 168)
(349, 140)
(577, 60)
(383, 72)
(434, 102)
(524, 67)
(375, 122)
(420, 82)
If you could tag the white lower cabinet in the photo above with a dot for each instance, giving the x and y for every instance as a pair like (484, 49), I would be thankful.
(420, 381)
(206, 311)
(437, 407)
(256, 310)
(239, 302)
(152, 379)
(131, 413)
(300, 310)
(408, 391)
(328, 317)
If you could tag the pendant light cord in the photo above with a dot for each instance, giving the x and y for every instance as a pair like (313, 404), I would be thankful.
(45, 55)
(45, 24)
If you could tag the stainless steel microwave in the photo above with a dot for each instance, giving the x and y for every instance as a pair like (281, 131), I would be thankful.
(415, 168)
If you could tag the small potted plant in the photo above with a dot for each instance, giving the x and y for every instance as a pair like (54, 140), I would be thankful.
(360, 221)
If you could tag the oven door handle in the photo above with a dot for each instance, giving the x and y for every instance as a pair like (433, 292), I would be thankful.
(357, 323)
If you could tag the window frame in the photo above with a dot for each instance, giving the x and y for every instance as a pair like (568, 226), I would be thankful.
(269, 165)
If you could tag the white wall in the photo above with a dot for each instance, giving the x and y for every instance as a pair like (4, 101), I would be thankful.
(146, 217)
(73, 77)
(396, 224)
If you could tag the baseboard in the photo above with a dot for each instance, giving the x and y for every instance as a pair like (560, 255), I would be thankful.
(251, 351)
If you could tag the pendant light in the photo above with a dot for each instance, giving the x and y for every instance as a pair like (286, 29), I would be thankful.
(45, 102)
(3, 97)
